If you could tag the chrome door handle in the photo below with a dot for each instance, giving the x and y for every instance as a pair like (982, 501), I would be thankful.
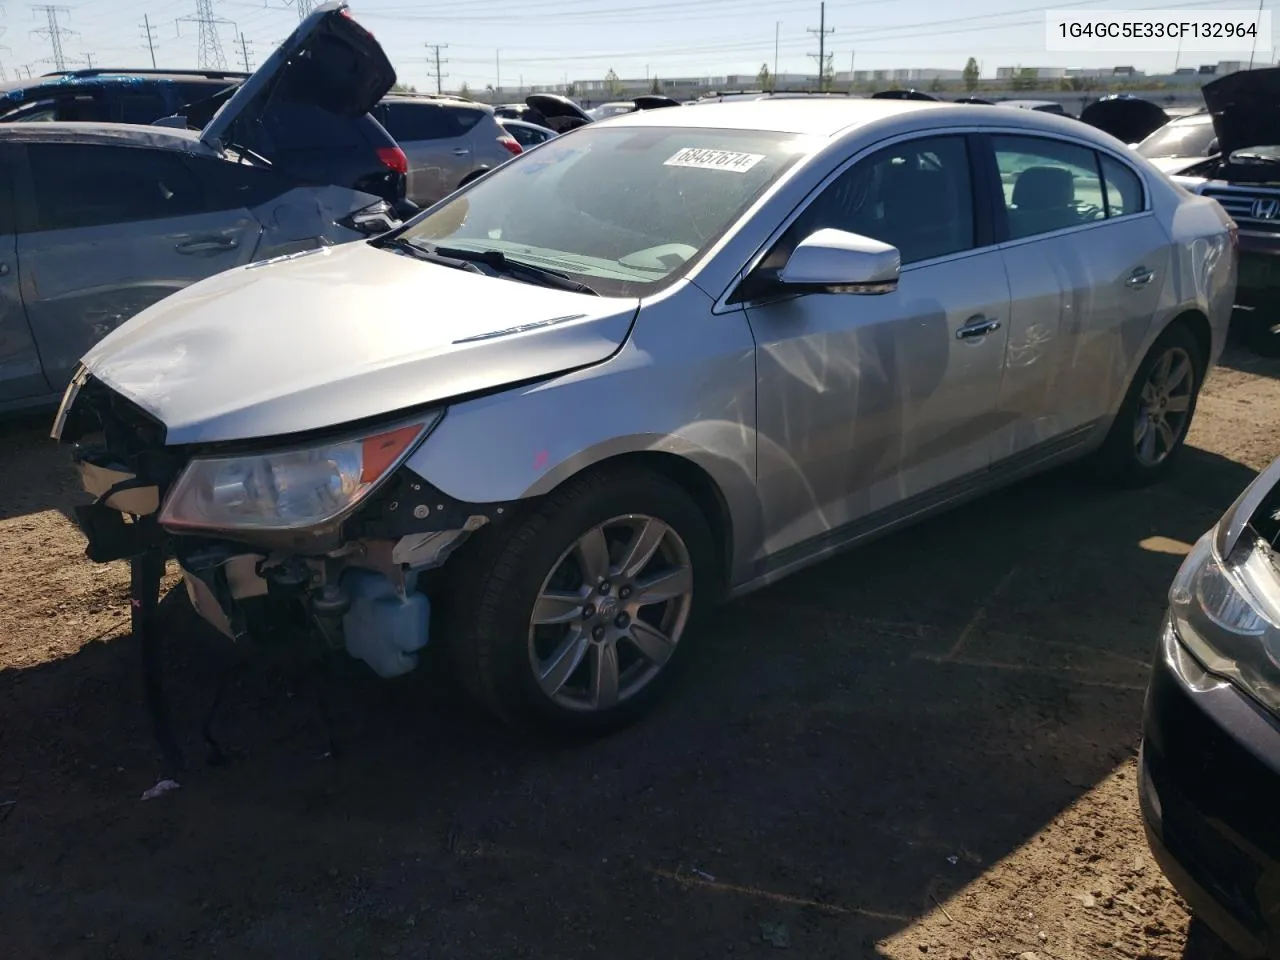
(461, 152)
(207, 245)
(1140, 277)
(977, 327)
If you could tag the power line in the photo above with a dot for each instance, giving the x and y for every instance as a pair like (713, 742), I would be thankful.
(824, 61)
(150, 37)
(210, 55)
(439, 77)
(54, 33)
(244, 54)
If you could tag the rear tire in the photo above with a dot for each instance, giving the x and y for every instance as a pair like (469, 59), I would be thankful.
(1149, 430)
(549, 625)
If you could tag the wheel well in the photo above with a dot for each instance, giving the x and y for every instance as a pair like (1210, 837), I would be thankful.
(697, 483)
(1198, 324)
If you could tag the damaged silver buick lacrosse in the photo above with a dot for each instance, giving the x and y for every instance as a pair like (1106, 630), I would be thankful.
(648, 365)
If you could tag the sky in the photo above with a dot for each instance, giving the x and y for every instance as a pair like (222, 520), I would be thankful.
(523, 42)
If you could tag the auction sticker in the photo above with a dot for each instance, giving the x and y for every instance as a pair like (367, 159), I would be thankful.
(706, 159)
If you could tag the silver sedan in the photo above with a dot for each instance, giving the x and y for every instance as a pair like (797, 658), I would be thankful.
(654, 364)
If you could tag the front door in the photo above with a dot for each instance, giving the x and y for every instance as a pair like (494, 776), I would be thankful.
(866, 401)
(20, 374)
(111, 230)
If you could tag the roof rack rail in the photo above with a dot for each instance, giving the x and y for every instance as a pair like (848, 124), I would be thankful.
(176, 72)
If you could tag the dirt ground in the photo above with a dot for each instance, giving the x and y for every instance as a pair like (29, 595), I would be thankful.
(923, 749)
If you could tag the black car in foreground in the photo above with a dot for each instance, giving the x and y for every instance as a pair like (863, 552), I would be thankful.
(1209, 768)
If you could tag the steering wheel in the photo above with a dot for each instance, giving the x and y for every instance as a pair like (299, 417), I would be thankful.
(1088, 211)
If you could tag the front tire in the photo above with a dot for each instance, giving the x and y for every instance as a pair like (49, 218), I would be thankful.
(576, 616)
(1149, 430)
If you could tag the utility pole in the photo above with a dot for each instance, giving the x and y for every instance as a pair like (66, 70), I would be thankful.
(436, 48)
(821, 55)
(54, 33)
(151, 40)
(210, 56)
(244, 54)
(497, 70)
(777, 29)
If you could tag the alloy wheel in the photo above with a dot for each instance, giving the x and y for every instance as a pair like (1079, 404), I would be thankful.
(1164, 407)
(609, 615)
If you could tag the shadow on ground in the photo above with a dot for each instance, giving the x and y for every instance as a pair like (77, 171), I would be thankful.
(849, 747)
(37, 471)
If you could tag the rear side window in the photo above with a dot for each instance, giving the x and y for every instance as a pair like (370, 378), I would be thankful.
(409, 122)
(137, 106)
(1048, 184)
(86, 185)
(301, 126)
(1124, 188)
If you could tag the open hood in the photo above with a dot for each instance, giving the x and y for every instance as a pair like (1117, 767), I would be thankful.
(1245, 107)
(1126, 118)
(341, 334)
(329, 61)
(654, 101)
(555, 107)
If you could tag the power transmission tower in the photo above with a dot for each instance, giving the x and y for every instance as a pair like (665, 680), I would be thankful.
(435, 72)
(88, 59)
(304, 8)
(150, 37)
(244, 54)
(823, 58)
(54, 33)
(210, 56)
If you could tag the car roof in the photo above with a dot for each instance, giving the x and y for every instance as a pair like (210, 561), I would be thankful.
(443, 100)
(117, 134)
(836, 117)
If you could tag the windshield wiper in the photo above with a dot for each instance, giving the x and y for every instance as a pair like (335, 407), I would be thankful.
(428, 252)
(1256, 157)
(499, 262)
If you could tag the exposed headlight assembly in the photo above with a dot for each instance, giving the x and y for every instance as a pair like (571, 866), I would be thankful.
(287, 490)
(1227, 613)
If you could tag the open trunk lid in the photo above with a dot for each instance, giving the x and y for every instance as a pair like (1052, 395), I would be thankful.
(329, 61)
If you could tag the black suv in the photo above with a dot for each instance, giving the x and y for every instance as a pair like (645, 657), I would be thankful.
(300, 137)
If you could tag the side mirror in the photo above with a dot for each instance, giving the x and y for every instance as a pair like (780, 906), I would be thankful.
(1212, 149)
(835, 261)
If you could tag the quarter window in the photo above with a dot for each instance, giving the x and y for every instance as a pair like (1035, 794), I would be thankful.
(1048, 185)
(1124, 188)
(87, 186)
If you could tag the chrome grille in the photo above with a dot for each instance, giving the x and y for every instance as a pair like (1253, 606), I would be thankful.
(1251, 207)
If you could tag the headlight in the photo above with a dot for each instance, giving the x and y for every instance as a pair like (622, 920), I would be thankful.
(1227, 613)
(286, 489)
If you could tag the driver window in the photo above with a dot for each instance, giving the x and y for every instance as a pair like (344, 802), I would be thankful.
(1048, 184)
(916, 195)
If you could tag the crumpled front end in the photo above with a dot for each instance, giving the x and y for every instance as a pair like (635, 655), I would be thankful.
(334, 532)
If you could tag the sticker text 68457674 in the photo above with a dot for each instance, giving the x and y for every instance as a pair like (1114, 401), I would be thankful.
(707, 159)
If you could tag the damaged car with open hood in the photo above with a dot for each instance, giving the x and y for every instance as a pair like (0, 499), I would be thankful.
(1244, 176)
(753, 334)
(101, 220)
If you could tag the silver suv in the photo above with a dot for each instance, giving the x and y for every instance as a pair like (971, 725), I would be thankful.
(449, 142)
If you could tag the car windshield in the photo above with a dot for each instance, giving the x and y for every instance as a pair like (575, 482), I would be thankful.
(1180, 138)
(624, 210)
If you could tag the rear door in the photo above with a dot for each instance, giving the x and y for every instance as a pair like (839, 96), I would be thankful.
(20, 374)
(108, 231)
(436, 141)
(1086, 266)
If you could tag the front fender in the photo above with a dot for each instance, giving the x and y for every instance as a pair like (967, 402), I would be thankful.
(681, 388)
